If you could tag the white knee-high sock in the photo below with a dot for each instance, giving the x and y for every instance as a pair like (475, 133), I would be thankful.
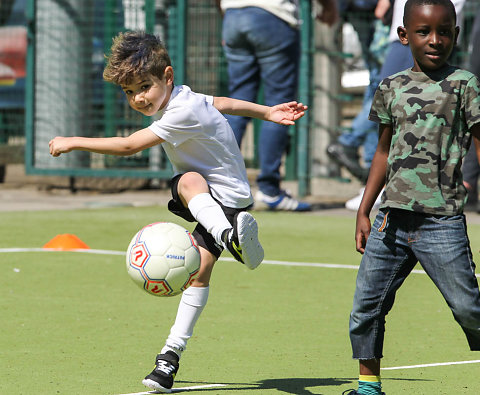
(209, 213)
(191, 306)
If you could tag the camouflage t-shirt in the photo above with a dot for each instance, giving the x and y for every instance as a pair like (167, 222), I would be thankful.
(430, 115)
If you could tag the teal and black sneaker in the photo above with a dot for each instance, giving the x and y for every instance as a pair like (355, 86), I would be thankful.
(354, 392)
(162, 376)
(242, 240)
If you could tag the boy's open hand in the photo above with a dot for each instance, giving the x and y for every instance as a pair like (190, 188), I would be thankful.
(59, 145)
(287, 113)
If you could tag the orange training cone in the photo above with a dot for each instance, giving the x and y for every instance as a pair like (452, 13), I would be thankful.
(66, 242)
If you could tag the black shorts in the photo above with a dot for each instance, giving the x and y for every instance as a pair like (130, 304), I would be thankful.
(202, 236)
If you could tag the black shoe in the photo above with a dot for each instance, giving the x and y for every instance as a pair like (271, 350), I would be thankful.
(472, 205)
(353, 392)
(348, 157)
(242, 240)
(161, 378)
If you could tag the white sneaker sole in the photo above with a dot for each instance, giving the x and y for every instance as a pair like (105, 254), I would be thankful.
(155, 386)
(247, 230)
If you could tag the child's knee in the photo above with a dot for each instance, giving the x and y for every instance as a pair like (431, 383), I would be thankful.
(191, 184)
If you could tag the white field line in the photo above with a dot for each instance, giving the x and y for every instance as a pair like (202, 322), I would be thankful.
(86, 251)
(142, 393)
(428, 365)
(266, 261)
(227, 259)
(192, 388)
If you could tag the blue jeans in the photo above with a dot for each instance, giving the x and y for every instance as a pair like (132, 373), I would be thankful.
(471, 168)
(262, 49)
(398, 240)
(364, 132)
(398, 58)
(474, 65)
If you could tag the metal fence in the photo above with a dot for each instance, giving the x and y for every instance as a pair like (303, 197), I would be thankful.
(65, 92)
(59, 89)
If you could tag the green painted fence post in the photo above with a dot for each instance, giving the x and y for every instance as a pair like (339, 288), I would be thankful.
(304, 96)
(177, 39)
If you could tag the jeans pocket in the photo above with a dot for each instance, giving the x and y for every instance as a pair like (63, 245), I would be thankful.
(447, 219)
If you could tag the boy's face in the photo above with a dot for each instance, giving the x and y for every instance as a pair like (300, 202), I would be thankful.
(149, 94)
(431, 34)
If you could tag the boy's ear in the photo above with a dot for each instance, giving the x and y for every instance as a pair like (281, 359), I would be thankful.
(457, 32)
(168, 74)
(402, 35)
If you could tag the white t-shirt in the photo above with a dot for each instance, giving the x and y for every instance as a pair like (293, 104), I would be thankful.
(397, 16)
(198, 138)
(286, 10)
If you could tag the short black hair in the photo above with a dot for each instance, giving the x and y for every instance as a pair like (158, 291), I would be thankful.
(415, 3)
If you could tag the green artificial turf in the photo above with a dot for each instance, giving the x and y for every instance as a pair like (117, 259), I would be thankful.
(74, 323)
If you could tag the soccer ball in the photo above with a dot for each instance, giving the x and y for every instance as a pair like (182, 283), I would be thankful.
(163, 258)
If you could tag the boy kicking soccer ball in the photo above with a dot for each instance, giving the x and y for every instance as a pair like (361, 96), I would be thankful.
(427, 116)
(210, 185)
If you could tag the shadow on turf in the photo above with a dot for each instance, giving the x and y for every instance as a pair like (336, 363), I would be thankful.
(297, 386)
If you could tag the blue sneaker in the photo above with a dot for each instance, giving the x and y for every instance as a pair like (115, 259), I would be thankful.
(354, 392)
(282, 202)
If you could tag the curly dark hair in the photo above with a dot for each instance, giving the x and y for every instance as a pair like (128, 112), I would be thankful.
(135, 54)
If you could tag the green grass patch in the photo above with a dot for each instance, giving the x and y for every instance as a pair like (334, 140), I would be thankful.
(74, 323)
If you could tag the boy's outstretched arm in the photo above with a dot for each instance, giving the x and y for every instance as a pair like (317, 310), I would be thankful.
(284, 113)
(375, 183)
(128, 145)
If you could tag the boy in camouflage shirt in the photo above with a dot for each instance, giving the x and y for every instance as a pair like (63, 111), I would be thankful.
(427, 116)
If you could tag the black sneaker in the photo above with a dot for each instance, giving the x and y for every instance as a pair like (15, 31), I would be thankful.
(242, 240)
(348, 157)
(353, 392)
(161, 378)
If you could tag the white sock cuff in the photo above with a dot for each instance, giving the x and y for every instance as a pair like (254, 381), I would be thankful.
(209, 214)
(177, 351)
(196, 296)
(200, 201)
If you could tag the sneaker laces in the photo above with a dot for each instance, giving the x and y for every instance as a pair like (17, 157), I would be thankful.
(165, 367)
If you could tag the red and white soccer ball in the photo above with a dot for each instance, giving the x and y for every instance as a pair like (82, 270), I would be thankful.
(163, 258)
